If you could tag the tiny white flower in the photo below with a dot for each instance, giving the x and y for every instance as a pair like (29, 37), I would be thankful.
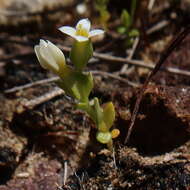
(82, 31)
(50, 56)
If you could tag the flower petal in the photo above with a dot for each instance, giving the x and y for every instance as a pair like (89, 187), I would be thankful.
(47, 58)
(57, 54)
(85, 23)
(81, 38)
(43, 43)
(95, 32)
(68, 30)
(40, 59)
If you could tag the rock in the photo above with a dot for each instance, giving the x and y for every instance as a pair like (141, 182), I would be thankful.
(24, 11)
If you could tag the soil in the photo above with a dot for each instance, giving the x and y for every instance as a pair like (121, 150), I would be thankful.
(46, 144)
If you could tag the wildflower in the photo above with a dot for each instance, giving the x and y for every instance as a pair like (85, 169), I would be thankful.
(82, 49)
(82, 31)
(50, 56)
(77, 83)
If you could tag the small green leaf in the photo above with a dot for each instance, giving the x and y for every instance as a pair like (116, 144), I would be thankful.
(126, 19)
(77, 85)
(84, 84)
(95, 111)
(121, 30)
(83, 106)
(103, 137)
(67, 82)
(134, 33)
(109, 114)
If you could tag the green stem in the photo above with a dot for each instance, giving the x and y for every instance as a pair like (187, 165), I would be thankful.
(110, 145)
(133, 9)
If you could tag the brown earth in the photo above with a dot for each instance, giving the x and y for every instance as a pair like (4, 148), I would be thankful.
(42, 136)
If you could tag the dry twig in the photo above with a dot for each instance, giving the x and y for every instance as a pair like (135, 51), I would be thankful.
(157, 27)
(53, 79)
(44, 98)
(106, 57)
(65, 173)
(134, 62)
(32, 84)
(130, 56)
(103, 73)
(151, 4)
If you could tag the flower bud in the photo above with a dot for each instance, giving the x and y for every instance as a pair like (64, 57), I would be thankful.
(50, 57)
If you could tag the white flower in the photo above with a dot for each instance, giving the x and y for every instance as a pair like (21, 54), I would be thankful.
(82, 31)
(50, 56)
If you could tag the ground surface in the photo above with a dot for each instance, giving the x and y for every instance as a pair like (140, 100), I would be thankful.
(45, 144)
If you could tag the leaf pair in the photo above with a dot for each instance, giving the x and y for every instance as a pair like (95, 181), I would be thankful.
(76, 84)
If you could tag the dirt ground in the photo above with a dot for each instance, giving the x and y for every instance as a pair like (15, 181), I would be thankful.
(46, 144)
